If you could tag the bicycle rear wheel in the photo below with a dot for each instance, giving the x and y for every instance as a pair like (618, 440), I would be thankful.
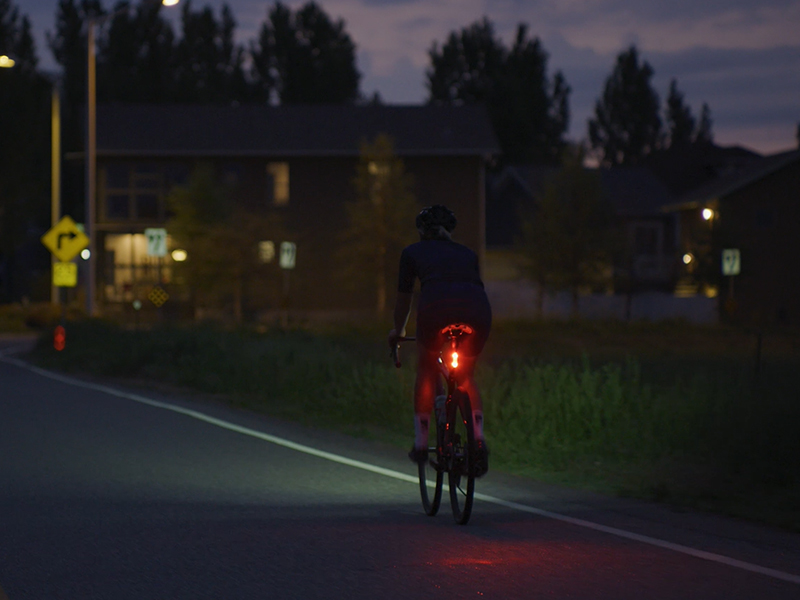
(431, 474)
(461, 477)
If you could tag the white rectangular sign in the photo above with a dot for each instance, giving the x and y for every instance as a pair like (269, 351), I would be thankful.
(731, 262)
(288, 255)
(156, 241)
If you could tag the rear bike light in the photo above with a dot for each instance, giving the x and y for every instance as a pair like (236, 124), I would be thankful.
(454, 362)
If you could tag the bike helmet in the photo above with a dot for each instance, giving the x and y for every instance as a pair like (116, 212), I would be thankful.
(433, 217)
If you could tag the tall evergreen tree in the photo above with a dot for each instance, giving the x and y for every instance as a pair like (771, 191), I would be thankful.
(680, 121)
(626, 125)
(209, 64)
(529, 112)
(704, 134)
(135, 56)
(305, 57)
(24, 143)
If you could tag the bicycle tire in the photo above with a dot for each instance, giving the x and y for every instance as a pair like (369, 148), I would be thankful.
(461, 441)
(431, 473)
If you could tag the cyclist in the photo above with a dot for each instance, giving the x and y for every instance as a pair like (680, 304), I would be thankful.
(451, 292)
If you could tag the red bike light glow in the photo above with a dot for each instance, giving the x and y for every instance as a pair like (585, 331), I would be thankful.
(454, 362)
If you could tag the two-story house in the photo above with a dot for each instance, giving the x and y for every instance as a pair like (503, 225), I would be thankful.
(296, 161)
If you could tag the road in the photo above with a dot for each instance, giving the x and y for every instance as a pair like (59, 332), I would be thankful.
(115, 492)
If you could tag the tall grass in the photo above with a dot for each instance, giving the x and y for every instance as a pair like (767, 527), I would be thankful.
(710, 433)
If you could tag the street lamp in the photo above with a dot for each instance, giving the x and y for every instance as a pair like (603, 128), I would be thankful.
(91, 147)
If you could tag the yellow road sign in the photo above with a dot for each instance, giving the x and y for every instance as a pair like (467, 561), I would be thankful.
(65, 240)
(158, 296)
(65, 274)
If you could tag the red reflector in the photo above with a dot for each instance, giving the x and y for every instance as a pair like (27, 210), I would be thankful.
(59, 338)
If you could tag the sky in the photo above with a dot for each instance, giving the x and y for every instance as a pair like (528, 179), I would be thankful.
(741, 57)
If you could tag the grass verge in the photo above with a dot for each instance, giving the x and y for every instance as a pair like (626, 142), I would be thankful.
(645, 411)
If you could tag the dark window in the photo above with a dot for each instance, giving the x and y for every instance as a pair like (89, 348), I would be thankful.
(118, 206)
(146, 206)
(118, 176)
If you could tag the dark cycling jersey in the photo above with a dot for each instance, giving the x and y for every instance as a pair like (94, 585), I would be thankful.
(436, 261)
(451, 292)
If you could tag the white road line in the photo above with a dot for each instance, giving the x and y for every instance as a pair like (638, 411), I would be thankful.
(710, 556)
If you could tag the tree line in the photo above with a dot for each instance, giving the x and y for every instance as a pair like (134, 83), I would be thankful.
(298, 56)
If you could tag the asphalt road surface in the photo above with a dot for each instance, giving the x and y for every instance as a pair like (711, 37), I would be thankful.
(112, 492)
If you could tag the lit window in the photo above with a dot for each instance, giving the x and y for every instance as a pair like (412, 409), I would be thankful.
(278, 183)
(266, 251)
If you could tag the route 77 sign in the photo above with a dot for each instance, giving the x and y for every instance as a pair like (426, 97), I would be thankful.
(731, 262)
(65, 240)
(156, 241)
(288, 255)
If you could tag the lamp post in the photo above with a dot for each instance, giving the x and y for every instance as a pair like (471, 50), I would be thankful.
(91, 149)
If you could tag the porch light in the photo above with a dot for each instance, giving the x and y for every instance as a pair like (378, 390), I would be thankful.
(688, 258)
(179, 255)
(708, 214)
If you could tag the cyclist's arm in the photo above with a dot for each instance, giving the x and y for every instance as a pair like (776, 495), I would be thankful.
(402, 309)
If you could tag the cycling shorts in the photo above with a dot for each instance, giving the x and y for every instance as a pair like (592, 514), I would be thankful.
(446, 303)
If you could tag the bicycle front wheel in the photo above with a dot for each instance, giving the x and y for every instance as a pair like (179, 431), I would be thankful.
(431, 473)
(461, 440)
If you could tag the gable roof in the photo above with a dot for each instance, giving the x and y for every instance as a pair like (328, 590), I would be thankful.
(723, 186)
(299, 130)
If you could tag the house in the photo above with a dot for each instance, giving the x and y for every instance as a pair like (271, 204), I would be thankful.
(636, 196)
(295, 161)
(755, 210)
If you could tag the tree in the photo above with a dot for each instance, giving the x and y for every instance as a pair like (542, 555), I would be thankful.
(208, 64)
(703, 134)
(135, 57)
(221, 239)
(305, 57)
(24, 143)
(680, 121)
(380, 218)
(626, 126)
(568, 239)
(530, 114)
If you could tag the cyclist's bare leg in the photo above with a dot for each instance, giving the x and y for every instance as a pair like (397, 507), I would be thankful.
(424, 393)
(467, 383)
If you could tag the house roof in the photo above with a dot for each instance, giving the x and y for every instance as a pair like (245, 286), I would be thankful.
(632, 191)
(727, 184)
(687, 167)
(299, 130)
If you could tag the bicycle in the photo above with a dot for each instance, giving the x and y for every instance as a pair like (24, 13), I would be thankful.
(454, 435)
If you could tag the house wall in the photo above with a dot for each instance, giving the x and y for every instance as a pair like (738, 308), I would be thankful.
(761, 220)
(315, 214)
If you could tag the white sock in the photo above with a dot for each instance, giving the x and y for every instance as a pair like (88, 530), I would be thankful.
(477, 423)
(421, 424)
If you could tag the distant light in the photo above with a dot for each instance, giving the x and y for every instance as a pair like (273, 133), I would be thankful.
(137, 304)
(708, 214)
(179, 255)
(687, 258)
(169, 2)
(86, 254)
(6, 62)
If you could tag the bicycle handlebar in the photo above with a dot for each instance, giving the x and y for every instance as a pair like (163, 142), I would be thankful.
(394, 354)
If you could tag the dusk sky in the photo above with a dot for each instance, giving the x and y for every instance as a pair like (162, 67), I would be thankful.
(742, 57)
